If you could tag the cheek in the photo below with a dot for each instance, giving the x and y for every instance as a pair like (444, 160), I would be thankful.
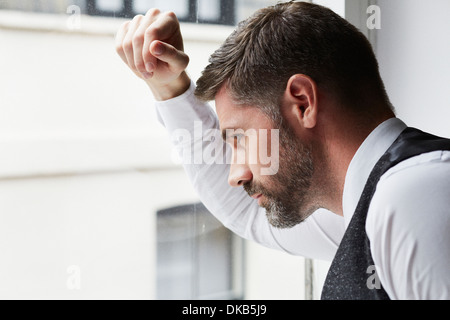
(251, 149)
(267, 151)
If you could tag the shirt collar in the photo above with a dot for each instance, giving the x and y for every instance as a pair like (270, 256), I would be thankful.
(365, 158)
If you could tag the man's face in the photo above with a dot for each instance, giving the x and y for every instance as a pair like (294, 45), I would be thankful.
(285, 192)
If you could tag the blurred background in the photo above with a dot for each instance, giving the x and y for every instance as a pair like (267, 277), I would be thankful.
(93, 204)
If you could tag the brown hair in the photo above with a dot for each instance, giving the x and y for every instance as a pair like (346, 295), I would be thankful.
(258, 58)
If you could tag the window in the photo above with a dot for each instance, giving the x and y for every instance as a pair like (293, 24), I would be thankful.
(197, 258)
(223, 12)
(202, 11)
(195, 11)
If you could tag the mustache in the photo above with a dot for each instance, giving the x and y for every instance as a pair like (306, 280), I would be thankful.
(251, 188)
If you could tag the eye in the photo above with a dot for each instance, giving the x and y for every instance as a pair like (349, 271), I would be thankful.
(235, 139)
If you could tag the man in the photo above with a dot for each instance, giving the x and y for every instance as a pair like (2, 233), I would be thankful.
(301, 70)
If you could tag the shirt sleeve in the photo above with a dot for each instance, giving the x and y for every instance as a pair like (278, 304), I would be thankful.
(408, 226)
(194, 131)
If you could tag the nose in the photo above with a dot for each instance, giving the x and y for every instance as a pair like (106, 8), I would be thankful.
(239, 175)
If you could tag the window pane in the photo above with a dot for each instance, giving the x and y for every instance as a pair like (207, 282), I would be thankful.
(180, 7)
(47, 6)
(209, 10)
(244, 8)
(142, 6)
(110, 5)
(195, 256)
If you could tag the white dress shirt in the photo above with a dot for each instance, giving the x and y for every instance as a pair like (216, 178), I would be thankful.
(407, 224)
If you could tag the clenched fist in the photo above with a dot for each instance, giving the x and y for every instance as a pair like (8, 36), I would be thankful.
(152, 46)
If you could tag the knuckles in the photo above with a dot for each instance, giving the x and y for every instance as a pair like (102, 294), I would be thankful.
(138, 38)
(153, 12)
(129, 41)
(119, 49)
(152, 33)
(171, 15)
(127, 45)
(137, 18)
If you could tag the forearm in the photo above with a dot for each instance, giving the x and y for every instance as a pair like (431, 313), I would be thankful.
(191, 124)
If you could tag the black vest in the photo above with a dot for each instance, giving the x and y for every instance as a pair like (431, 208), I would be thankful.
(351, 275)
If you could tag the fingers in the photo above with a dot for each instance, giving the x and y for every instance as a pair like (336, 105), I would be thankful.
(120, 36)
(129, 43)
(163, 28)
(140, 52)
(176, 60)
(153, 43)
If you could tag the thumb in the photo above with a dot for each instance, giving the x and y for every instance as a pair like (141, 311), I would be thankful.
(176, 59)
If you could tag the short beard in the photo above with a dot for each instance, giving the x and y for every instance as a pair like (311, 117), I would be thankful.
(287, 192)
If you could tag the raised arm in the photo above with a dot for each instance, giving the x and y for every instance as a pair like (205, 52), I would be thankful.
(152, 47)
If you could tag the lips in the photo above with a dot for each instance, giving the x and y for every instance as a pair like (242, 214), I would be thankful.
(254, 192)
(256, 195)
(259, 197)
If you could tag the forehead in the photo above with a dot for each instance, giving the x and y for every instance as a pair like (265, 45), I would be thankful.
(237, 116)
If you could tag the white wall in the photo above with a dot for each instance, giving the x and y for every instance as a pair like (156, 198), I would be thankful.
(413, 49)
(83, 236)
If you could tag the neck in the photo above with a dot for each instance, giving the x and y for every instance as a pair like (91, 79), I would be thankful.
(340, 141)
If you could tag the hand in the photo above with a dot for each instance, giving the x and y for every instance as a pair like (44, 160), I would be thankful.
(152, 46)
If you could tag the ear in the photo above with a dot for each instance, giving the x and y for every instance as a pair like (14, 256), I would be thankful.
(301, 97)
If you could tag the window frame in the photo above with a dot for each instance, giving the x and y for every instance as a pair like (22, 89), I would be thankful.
(226, 16)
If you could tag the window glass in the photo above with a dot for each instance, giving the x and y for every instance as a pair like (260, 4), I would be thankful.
(179, 7)
(110, 5)
(209, 10)
(245, 8)
(227, 12)
(196, 256)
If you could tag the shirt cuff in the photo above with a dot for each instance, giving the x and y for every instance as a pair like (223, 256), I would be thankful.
(177, 99)
(174, 102)
(184, 111)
